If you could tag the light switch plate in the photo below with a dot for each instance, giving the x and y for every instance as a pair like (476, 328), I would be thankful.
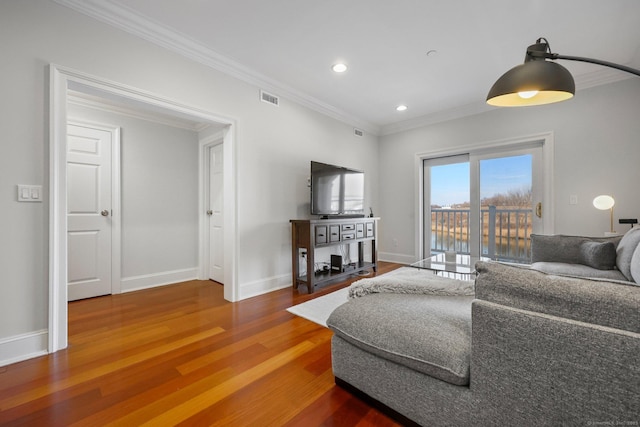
(29, 193)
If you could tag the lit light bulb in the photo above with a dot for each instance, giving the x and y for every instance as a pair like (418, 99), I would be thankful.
(527, 94)
(339, 68)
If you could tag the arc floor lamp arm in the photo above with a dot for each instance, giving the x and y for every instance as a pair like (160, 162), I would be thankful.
(582, 59)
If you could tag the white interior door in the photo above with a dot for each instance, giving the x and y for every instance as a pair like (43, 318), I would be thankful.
(215, 212)
(89, 211)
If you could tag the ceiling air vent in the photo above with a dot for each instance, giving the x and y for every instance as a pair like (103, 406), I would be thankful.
(358, 132)
(269, 98)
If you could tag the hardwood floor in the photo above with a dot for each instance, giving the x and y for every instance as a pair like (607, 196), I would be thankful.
(182, 355)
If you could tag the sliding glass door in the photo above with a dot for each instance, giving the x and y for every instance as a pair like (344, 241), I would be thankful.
(483, 204)
(448, 202)
(507, 211)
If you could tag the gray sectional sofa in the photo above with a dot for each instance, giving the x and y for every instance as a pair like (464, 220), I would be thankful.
(530, 349)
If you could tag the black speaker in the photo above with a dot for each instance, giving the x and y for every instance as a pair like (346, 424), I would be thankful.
(628, 220)
(336, 263)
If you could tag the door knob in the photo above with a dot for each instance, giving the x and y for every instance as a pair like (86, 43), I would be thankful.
(209, 212)
(104, 212)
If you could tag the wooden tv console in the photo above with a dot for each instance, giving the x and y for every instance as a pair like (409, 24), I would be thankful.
(307, 235)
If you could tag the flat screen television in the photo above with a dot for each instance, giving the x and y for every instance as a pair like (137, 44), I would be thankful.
(336, 191)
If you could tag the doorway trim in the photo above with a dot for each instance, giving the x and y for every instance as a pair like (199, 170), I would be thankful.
(545, 139)
(60, 78)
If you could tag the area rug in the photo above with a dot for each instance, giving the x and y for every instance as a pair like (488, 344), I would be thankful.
(404, 280)
(318, 309)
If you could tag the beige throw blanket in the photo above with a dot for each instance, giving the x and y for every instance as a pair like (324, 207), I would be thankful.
(410, 280)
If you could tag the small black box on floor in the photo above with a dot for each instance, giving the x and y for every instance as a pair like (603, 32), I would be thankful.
(336, 263)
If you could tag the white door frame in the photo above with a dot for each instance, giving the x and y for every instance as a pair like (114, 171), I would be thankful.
(546, 139)
(60, 80)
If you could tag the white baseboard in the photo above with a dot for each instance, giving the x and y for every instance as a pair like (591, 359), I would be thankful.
(24, 346)
(146, 281)
(264, 286)
(399, 258)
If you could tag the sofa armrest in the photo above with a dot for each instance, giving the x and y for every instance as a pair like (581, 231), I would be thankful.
(536, 369)
(601, 302)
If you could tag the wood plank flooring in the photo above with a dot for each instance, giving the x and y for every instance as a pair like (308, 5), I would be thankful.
(182, 355)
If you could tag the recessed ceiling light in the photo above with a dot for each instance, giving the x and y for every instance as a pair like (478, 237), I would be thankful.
(401, 108)
(432, 52)
(339, 68)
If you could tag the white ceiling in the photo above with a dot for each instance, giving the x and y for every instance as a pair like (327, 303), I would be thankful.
(287, 47)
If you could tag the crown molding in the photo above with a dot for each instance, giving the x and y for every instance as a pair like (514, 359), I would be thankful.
(141, 26)
(600, 77)
(436, 117)
(583, 81)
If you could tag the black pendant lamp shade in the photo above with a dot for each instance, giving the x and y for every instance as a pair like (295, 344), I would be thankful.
(539, 81)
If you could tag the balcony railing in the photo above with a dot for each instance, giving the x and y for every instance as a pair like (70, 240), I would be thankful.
(505, 232)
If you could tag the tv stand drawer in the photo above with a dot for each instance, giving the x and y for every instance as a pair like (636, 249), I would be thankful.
(370, 229)
(334, 233)
(321, 234)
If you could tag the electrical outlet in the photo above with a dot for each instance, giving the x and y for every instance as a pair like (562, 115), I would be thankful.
(395, 243)
(573, 199)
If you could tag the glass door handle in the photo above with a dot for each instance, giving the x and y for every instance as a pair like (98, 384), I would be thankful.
(539, 210)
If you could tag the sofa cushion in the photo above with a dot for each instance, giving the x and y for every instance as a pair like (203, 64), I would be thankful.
(625, 250)
(429, 334)
(635, 265)
(577, 270)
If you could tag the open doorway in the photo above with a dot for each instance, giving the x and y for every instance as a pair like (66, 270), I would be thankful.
(63, 80)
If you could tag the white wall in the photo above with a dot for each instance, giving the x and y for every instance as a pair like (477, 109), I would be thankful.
(159, 196)
(276, 171)
(597, 151)
(274, 146)
(596, 137)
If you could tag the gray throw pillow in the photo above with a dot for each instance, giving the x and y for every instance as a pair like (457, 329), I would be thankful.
(561, 248)
(600, 255)
(626, 248)
(635, 265)
(555, 248)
